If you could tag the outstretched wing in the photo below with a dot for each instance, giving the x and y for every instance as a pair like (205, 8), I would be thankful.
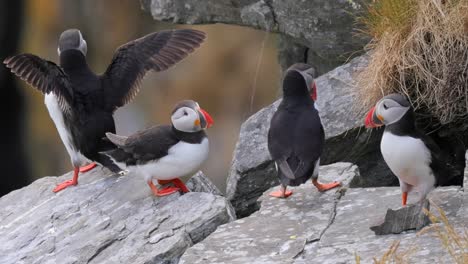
(43, 75)
(157, 51)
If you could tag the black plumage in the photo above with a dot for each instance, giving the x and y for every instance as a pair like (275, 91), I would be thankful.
(166, 152)
(440, 165)
(150, 144)
(87, 101)
(296, 136)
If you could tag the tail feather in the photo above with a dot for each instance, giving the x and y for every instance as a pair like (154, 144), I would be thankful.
(116, 139)
(119, 155)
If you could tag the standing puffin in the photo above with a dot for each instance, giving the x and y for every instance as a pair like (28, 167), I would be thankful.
(166, 152)
(410, 154)
(296, 136)
(81, 103)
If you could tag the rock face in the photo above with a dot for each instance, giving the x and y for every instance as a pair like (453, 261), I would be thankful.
(105, 219)
(326, 26)
(281, 228)
(410, 217)
(252, 171)
(331, 227)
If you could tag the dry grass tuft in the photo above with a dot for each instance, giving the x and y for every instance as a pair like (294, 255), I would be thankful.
(455, 242)
(420, 49)
(393, 255)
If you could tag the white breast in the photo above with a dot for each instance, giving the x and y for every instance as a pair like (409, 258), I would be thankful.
(408, 158)
(57, 116)
(182, 159)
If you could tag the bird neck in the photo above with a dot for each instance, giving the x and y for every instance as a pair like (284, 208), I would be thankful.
(189, 137)
(73, 60)
(404, 126)
(297, 100)
(294, 85)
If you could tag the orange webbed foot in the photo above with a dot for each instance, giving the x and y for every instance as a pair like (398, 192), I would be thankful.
(322, 187)
(281, 193)
(88, 167)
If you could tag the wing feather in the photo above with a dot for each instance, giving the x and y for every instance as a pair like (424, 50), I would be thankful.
(157, 51)
(44, 76)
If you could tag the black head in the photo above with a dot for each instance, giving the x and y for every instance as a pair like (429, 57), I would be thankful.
(71, 39)
(187, 116)
(299, 80)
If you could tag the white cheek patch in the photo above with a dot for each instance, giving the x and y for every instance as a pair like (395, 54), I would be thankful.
(395, 114)
(83, 47)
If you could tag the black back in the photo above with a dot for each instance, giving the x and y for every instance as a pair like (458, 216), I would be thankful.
(89, 120)
(88, 101)
(152, 144)
(296, 134)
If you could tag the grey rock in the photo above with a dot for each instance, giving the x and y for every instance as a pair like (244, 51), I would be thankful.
(290, 52)
(280, 229)
(105, 219)
(411, 217)
(465, 179)
(360, 208)
(200, 183)
(325, 26)
(330, 227)
(252, 171)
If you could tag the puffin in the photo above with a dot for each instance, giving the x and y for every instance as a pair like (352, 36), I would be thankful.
(166, 152)
(410, 154)
(81, 103)
(296, 136)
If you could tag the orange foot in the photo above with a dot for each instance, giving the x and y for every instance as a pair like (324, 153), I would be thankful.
(88, 167)
(281, 193)
(322, 187)
(166, 191)
(404, 198)
(68, 183)
(162, 192)
(178, 183)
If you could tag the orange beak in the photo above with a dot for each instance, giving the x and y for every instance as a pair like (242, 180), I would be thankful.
(373, 121)
(313, 93)
(208, 118)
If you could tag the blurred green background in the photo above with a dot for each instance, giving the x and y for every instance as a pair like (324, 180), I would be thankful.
(233, 74)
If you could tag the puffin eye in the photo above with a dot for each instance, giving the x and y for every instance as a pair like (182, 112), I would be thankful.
(185, 113)
(385, 106)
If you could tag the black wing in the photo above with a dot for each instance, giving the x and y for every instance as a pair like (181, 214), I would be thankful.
(157, 51)
(440, 165)
(43, 75)
(146, 145)
(298, 139)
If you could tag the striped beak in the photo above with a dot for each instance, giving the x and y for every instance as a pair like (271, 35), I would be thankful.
(372, 120)
(206, 121)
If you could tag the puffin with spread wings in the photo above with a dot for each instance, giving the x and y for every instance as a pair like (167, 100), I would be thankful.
(81, 103)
